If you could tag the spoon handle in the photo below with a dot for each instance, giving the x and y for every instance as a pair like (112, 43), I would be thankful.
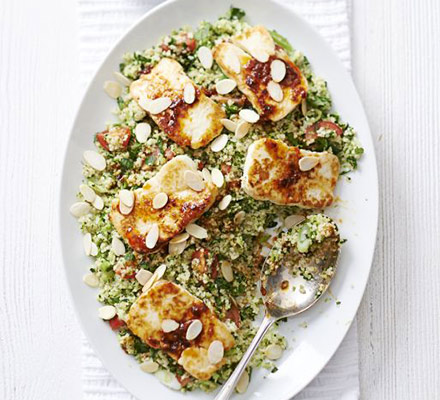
(229, 386)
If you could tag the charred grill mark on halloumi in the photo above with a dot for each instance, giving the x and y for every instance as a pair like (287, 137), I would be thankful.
(271, 172)
(183, 207)
(193, 125)
(254, 76)
(166, 300)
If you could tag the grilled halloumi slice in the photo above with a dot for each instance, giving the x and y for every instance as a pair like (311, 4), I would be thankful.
(272, 172)
(166, 300)
(194, 124)
(253, 76)
(183, 207)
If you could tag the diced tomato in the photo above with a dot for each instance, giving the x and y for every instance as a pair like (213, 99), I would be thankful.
(214, 268)
(200, 165)
(191, 44)
(119, 132)
(234, 315)
(116, 323)
(311, 130)
(200, 254)
(183, 380)
(101, 139)
(164, 47)
(169, 154)
(226, 169)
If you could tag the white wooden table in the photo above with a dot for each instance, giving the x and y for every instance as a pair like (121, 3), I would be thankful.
(396, 58)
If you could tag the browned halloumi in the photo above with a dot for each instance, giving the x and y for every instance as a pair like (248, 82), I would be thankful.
(194, 124)
(166, 300)
(271, 172)
(253, 76)
(183, 207)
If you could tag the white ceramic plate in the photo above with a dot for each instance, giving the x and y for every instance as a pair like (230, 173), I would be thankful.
(309, 348)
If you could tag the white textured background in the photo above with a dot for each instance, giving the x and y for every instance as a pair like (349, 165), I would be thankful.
(396, 54)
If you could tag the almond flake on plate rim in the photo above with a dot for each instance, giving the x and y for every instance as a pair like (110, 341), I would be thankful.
(122, 78)
(106, 312)
(80, 209)
(149, 366)
(113, 89)
(91, 280)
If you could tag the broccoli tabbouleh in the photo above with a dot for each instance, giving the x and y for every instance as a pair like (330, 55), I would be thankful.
(134, 153)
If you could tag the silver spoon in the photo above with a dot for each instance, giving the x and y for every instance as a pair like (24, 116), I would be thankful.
(286, 293)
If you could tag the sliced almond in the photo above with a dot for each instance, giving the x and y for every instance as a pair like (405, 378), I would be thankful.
(142, 132)
(87, 242)
(113, 89)
(242, 129)
(273, 352)
(307, 163)
(219, 143)
(205, 57)
(277, 70)
(169, 325)
(98, 203)
(149, 366)
(242, 383)
(94, 251)
(231, 126)
(168, 379)
(217, 177)
(275, 91)
(80, 209)
(87, 192)
(91, 280)
(304, 107)
(249, 116)
(124, 209)
(189, 93)
(152, 236)
(197, 231)
(174, 249)
(215, 352)
(292, 220)
(118, 246)
(227, 272)
(183, 237)
(194, 180)
(160, 271)
(159, 105)
(194, 329)
(160, 200)
(107, 312)
(126, 197)
(122, 78)
(224, 202)
(95, 160)
(206, 175)
(239, 217)
(233, 62)
(143, 276)
(225, 86)
(260, 55)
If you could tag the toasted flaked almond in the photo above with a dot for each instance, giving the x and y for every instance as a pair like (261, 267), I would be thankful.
(126, 197)
(292, 220)
(145, 103)
(118, 246)
(249, 116)
(225, 86)
(87, 242)
(152, 236)
(194, 180)
(87, 192)
(113, 89)
(260, 55)
(304, 107)
(227, 272)
(169, 325)
(174, 249)
(98, 203)
(107, 312)
(122, 78)
(242, 383)
(149, 283)
(239, 217)
(242, 129)
(219, 143)
(91, 280)
(194, 329)
(142, 132)
(233, 62)
(215, 352)
(277, 70)
(275, 91)
(206, 175)
(189, 93)
(273, 352)
(159, 105)
(94, 251)
(231, 126)
(95, 160)
(307, 163)
(168, 379)
(224, 203)
(197, 231)
(149, 366)
(205, 57)
(160, 271)
(183, 237)
(217, 177)
(80, 209)
(160, 200)
(124, 209)
(143, 276)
